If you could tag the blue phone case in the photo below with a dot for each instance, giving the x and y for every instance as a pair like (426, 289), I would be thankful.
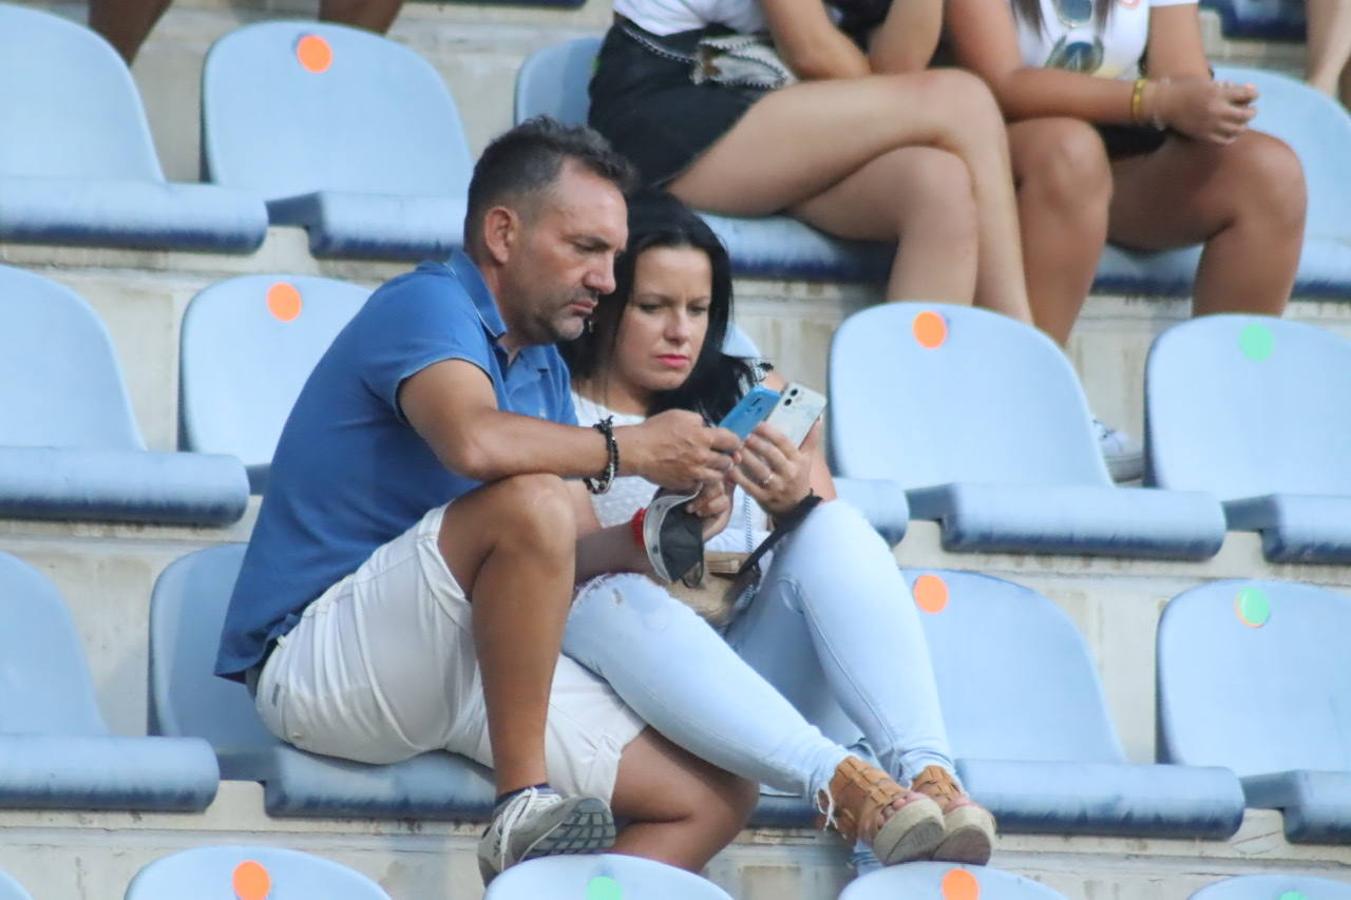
(753, 409)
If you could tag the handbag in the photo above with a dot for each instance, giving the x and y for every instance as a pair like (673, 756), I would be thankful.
(731, 60)
(714, 590)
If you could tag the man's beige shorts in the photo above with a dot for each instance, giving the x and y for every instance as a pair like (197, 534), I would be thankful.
(382, 668)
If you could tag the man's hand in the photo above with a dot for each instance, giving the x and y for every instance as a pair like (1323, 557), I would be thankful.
(675, 449)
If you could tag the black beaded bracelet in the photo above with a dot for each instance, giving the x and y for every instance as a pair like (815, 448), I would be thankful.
(601, 483)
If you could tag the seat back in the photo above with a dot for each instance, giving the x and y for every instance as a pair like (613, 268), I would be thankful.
(1275, 887)
(929, 394)
(607, 875)
(1253, 676)
(187, 610)
(45, 686)
(11, 889)
(248, 345)
(60, 384)
(553, 82)
(933, 879)
(1014, 675)
(250, 873)
(1244, 406)
(1318, 129)
(291, 108)
(69, 108)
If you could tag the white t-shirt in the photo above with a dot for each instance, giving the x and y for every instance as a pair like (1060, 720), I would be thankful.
(1062, 45)
(662, 17)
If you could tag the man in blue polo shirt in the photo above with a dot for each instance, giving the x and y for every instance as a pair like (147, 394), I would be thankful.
(410, 573)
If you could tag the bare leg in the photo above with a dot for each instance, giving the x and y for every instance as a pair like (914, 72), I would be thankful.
(1329, 43)
(1245, 201)
(372, 15)
(512, 546)
(932, 213)
(125, 23)
(682, 809)
(797, 143)
(1064, 189)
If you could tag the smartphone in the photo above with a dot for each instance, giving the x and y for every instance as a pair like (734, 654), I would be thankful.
(796, 412)
(753, 409)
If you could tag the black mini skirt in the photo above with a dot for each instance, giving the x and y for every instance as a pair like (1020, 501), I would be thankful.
(648, 108)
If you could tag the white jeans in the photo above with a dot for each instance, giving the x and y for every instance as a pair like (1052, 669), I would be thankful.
(381, 668)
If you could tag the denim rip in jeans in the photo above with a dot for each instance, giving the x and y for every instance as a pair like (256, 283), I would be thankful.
(832, 604)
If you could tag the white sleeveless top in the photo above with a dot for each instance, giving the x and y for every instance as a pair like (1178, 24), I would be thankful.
(663, 17)
(629, 493)
(1122, 39)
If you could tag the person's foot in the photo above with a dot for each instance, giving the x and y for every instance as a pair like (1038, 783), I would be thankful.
(538, 822)
(968, 829)
(1123, 454)
(864, 803)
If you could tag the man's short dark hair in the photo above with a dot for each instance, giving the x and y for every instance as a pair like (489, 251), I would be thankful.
(528, 159)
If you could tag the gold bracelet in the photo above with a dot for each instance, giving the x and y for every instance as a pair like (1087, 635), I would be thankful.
(1138, 101)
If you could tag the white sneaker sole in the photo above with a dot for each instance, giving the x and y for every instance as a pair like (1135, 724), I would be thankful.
(586, 826)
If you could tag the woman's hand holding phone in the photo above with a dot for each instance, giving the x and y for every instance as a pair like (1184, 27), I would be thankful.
(773, 471)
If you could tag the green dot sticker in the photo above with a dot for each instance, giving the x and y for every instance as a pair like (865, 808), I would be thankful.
(1292, 895)
(603, 887)
(1256, 342)
(1252, 607)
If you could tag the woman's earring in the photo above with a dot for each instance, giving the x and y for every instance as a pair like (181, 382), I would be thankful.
(590, 325)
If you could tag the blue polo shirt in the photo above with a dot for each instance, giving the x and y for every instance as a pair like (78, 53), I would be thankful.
(350, 473)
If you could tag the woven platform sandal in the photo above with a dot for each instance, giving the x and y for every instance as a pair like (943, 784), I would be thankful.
(860, 792)
(968, 829)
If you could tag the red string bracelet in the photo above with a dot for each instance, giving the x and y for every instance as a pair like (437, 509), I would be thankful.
(636, 526)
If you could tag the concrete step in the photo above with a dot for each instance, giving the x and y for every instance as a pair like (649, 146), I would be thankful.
(92, 856)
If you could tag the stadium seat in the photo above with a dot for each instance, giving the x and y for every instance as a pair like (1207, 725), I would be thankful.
(1253, 676)
(1319, 130)
(1029, 728)
(250, 873)
(1275, 887)
(984, 422)
(944, 880)
(348, 134)
(77, 165)
(186, 613)
(1257, 411)
(1273, 20)
(69, 448)
(11, 889)
(55, 750)
(608, 875)
(248, 345)
(553, 81)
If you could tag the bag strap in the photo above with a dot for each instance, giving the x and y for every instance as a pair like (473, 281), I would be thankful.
(782, 526)
(652, 46)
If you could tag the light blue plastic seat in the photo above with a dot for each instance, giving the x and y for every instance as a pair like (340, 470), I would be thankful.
(1318, 130)
(553, 81)
(1253, 675)
(55, 750)
(209, 873)
(990, 433)
(69, 448)
(248, 346)
(1257, 411)
(605, 875)
(926, 880)
(187, 610)
(1272, 20)
(1275, 887)
(11, 889)
(77, 165)
(1029, 728)
(364, 147)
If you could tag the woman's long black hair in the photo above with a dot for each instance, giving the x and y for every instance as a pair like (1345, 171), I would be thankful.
(717, 381)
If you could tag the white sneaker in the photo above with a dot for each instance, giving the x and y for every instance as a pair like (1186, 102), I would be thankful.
(1123, 454)
(539, 822)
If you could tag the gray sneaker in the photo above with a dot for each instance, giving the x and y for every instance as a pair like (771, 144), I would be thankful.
(1123, 454)
(539, 822)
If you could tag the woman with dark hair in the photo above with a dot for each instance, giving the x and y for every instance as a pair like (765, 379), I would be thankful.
(1119, 132)
(830, 624)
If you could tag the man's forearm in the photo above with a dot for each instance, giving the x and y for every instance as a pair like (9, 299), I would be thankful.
(610, 550)
(503, 444)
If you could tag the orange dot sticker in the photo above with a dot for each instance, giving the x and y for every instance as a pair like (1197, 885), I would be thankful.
(251, 881)
(931, 329)
(931, 593)
(283, 301)
(959, 884)
(314, 53)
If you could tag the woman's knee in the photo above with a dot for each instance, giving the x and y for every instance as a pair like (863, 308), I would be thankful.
(1266, 181)
(1063, 163)
(969, 105)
